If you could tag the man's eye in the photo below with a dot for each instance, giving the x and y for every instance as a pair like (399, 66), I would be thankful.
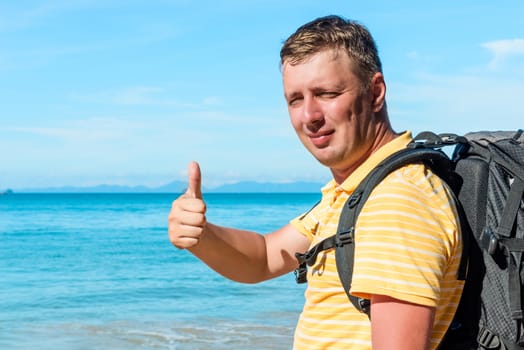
(294, 101)
(329, 94)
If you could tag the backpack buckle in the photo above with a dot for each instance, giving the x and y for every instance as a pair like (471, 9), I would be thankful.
(353, 199)
(490, 241)
(301, 273)
(489, 340)
(345, 237)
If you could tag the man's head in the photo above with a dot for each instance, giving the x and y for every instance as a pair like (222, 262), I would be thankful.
(335, 92)
(334, 32)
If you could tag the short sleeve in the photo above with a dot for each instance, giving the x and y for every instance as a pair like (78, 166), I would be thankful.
(405, 237)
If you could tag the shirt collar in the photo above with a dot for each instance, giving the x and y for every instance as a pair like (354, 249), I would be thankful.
(365, 168)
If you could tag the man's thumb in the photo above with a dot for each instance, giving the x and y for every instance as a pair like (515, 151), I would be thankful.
(194, 181)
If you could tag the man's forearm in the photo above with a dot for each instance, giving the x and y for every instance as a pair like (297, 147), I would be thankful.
(236, 254)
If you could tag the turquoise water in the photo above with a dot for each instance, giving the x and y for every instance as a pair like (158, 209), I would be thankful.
(97, 271)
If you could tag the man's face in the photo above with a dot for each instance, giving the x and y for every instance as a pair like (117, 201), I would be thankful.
(329, 110)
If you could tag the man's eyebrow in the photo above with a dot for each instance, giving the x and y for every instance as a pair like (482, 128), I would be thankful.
(292, 95)
(331, 87)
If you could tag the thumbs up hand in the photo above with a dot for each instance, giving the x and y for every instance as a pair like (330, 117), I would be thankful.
(194, 182)
(187, 218)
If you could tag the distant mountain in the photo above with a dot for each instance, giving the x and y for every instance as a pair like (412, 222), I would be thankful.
(180, 186)
(175, 186)
(268, 187)
(172, 187)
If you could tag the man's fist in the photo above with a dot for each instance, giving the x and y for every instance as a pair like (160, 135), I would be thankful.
(187, 219)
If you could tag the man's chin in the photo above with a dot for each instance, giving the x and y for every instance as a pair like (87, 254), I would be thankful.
(325, 161)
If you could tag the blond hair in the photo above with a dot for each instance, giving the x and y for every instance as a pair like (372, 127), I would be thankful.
(339, 34)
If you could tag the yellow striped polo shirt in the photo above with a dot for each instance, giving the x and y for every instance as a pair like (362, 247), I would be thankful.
(408, 246)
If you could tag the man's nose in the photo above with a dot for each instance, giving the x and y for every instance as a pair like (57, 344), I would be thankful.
(312, 111)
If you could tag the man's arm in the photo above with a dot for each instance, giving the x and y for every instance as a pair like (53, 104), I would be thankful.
(240, 255)
(249, 257)
(398, 325)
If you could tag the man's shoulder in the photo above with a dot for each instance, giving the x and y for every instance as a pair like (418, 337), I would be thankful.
(414, 183)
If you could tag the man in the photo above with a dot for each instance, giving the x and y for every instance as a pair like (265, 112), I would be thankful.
(408, 246)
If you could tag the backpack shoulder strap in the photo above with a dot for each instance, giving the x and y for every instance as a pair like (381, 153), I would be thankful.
(438, 161)
(424, 149)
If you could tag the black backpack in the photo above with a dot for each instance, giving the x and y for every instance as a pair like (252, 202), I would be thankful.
(486, 175)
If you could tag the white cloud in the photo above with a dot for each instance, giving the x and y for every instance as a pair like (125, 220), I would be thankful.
(79, 131)
(137, 95)
(413, 55)
(481, 97)
(26, 16)
(140, 95)
(503, 50)
(458, 103)
(212, 100)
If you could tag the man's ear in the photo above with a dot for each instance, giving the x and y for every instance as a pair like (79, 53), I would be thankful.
(378, 92)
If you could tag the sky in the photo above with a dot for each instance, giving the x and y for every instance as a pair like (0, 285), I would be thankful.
(129, 92)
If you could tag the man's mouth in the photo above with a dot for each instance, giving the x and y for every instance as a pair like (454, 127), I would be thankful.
(321, 139)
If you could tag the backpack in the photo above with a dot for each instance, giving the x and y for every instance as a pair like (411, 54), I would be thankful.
(486, 176)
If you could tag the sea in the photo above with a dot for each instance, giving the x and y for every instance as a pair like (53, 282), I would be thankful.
(97, 271)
